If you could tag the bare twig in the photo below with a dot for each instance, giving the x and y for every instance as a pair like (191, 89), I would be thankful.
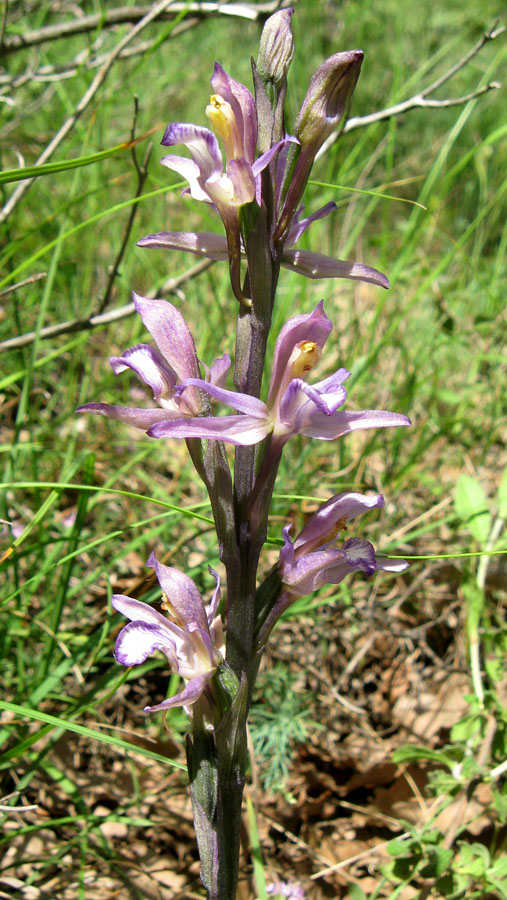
(126, 14)
(142, 171)
(21, 284)
(421, 100)
(113, 315)
(86, 99)
(84, 61)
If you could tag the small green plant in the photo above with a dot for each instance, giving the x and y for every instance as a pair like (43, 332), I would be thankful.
(278, 725)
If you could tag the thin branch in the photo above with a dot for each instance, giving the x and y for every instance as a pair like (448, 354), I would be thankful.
(21, 284)
(114, 315)
(85, 61)
(416, 102)
(489, 35)
(128, 14)
(421, 100)
(86, 99)
(142, 172)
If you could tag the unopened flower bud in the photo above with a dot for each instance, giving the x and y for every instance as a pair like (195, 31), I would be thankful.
(328, 98)
(276, 47)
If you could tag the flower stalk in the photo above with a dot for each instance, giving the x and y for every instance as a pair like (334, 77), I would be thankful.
(253, 173)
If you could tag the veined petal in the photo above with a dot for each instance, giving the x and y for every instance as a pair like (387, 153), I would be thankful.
(182, 593)
(240, 430)
(217, 372)
(138, 418)
(264, 160)
(190, 693)
(189, 170)
(301, 402)
(327, 428)
(314, 327)
(242, 177)
(298, 226)
(150, 365)
(206, 244)
(316, 265)
(361, 555)
(321, 527)
(139, 640)
(311, 571)
(242, 402)
(171, 334)
(137, 611)
(243, 107)
(202, 145)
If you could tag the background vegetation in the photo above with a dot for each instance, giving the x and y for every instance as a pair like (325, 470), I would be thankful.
(382, 665)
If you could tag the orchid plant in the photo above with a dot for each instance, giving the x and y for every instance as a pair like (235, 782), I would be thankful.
(257, 192)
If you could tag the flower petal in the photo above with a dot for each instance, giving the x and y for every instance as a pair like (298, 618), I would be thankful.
(392, 565)
(311, 327)
(328, 428)
(360, 555)
(139, 640)
(190, 693)
(212, 608)
(206, 244)
(337, 511)
(182, 593)
(298, 226)
(171, 334)
(243, 107)
(189, 170)
(316, 265)
(240, 430)
(242, 402)
(202, 145)
(217, 373)
(138, 418)
(150, 365)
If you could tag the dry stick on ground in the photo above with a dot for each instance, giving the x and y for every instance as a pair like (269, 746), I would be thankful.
(85, 101)
(113, 315)
(129, 14)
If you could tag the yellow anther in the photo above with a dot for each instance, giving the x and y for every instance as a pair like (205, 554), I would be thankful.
(223, 120)
(167, 606)
(303, 358)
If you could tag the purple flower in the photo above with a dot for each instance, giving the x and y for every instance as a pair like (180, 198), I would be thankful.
(286, 889)
(233, 115)
(314, 558)
(293, 406)
(162, 369)
(191, 640)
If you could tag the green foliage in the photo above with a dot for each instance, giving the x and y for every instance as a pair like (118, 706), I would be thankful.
(88, 500)
(280, 719)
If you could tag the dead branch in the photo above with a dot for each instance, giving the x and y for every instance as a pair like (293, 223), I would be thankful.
(84, 61)
(142, 172)
(131, 14)
(422, 100)
(114, 315)
(86, 99)
(21, 284)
